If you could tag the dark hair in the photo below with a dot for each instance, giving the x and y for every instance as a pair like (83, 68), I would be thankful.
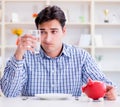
(50, 13)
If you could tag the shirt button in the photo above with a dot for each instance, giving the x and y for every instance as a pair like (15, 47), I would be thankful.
(52, 85)
(52, 71)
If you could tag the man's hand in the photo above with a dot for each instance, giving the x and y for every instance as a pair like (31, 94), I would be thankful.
(110, 93)
(26, 42)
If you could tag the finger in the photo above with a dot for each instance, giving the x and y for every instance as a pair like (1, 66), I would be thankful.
(28, 42)
(30, 49)
(110, 97)
(111, 94)
(29, 36)
(109, 87)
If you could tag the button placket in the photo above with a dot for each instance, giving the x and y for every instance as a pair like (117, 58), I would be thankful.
(53, 85)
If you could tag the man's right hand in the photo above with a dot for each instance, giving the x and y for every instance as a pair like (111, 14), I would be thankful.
(26, 42)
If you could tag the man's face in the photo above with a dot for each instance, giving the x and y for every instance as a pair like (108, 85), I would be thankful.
(51, 36)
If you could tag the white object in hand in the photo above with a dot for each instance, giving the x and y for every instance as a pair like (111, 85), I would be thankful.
(37, 34)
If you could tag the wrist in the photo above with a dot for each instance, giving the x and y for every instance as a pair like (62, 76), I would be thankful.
(18, 55)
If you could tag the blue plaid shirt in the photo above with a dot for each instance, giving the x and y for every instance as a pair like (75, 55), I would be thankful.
(39, 73)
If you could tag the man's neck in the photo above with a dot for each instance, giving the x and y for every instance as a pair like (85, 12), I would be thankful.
(55, 53)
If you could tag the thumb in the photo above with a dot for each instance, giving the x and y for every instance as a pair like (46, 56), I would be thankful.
(108, 87)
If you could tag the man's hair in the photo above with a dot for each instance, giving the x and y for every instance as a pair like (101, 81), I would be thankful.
(50, 13)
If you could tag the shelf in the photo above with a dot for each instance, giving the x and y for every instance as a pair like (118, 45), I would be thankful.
(78, 23)
(107, 47)
(25, 0)
(32, 23)
(10, 46)
(70, 0)
(19, 23)
(70, 25)
(87, 47)
(107, 25)
(111, 70)
(107, 1)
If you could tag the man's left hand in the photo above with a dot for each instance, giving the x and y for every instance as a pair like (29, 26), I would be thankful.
(110, 93)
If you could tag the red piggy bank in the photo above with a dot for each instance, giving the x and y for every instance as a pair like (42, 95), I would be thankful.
(94, 89)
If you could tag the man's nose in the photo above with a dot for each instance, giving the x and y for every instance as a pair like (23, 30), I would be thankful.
(48, 38)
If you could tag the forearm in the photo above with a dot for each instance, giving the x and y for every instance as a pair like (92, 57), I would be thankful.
(13, 78)
(90, 69)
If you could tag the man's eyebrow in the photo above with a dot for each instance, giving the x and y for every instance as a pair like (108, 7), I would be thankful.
(42, 29)
(49, 29)
(54, 29)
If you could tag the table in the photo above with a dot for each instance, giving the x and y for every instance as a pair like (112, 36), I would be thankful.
(31, 102)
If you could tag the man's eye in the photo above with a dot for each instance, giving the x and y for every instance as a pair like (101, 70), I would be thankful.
(43, 32)
(54, 31)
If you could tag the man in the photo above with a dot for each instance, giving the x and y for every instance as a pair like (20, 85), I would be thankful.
(57, 68)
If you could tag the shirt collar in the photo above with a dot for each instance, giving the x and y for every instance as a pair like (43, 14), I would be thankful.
(65, 52)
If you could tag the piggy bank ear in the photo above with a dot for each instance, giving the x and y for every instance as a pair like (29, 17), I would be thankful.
(90, 81)
(83, 88)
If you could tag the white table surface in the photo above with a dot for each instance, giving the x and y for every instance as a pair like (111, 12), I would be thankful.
(32, 102)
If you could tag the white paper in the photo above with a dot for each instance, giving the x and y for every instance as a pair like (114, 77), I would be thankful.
(98, 40)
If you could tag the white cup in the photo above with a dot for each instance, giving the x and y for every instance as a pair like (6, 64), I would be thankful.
(37, 34)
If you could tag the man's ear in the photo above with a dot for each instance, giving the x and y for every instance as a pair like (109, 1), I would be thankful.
(64, 30)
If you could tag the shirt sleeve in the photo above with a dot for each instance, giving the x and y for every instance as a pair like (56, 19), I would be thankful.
(91, 70)
(14, 78)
